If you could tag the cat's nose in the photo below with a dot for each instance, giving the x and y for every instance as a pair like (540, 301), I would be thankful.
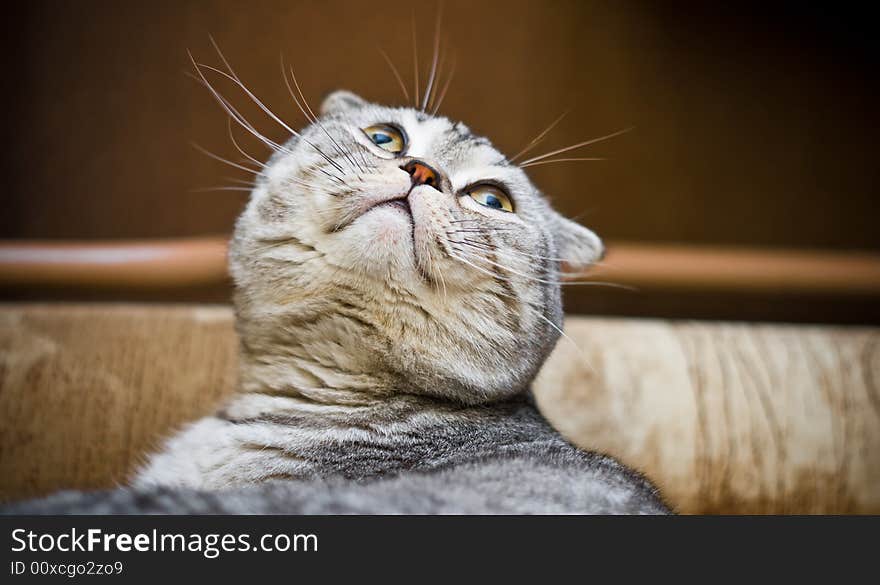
(422, 174)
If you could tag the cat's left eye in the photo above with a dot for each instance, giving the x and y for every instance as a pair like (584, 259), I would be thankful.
(386, 137)
(491, 196)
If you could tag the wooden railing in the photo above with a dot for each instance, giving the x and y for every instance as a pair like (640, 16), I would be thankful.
(166, 264)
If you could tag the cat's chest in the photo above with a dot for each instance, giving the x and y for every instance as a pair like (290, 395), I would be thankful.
(360, 452)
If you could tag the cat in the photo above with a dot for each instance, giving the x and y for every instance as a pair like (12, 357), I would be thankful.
(397, 288)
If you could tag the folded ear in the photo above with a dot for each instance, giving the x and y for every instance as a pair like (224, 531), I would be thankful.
(577, 245)
(341, 101)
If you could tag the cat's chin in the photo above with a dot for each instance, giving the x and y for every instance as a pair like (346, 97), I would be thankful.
(380, 241)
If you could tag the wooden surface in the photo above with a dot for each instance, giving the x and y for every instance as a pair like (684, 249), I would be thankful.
(724, 417)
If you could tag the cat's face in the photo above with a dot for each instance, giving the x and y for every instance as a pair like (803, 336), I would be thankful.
(398, 243)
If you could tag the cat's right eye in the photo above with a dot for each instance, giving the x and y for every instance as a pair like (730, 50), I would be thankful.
(491, 196)
(386, 137)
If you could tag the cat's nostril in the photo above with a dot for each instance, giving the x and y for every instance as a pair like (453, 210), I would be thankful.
(421, 173)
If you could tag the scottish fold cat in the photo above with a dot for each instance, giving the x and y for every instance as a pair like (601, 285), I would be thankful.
(397, 287)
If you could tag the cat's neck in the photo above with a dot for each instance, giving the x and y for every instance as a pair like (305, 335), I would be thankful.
(290, 387)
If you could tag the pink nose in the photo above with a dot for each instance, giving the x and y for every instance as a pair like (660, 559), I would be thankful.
(421, 173)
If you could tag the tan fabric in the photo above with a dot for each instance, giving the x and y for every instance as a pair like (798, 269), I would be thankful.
(725, 418)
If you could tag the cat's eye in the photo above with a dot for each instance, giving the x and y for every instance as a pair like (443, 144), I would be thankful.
(386, 137)
(491, 196)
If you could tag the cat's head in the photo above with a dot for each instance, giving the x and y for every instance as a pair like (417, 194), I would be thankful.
(384, 243)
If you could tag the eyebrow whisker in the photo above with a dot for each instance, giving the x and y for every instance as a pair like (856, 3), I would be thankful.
(445, 86)
(430, 86)
(396, 73)
(537, 139)
(415, 59)
(574, 146)
(314, 118)
(558, 160)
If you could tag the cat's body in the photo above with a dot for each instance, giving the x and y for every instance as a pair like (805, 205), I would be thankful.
(397, 290)
(411, 459)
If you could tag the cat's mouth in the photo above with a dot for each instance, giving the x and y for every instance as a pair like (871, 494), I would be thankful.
(400, 204)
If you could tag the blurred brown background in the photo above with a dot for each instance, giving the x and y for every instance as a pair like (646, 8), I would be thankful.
(754, 125)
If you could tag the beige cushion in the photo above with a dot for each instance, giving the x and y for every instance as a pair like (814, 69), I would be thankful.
(725, 418)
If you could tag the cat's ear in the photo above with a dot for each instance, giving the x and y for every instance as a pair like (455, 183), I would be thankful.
(577, 245)
(341, 101)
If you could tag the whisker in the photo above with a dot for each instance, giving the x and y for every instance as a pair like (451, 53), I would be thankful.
(429, 87)
(415, 59)
(237, 147)
(556, 282)
(232, 112)
(483, 246)
(317, 121)
(537, 139)
(578, 145)
(223, 160)
(240, 181)
(233, 76)
(313, 117)
(222, 188)
(239, 118)
(539, 257)
(582, 353)
(436, 86)
(445, 87)
(260, 104)
(538, 312)
(482, 228)
(396, 73)
(558, 160)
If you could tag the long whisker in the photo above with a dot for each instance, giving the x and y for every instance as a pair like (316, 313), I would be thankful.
(541, 280)
(233, 112)
(250, 94)
(558, 160)
(535, 256)
(233, 76)
(537, 139)
(396, 74)
(249, 157)
(537, 312)
(483, 246)
(238, 148)
(223, 160)
(415, 59)
(578, 145)
(223, 188)
(580, 350)
(436, 86)
(429, 87)
(244, 123)
(239, 181)
(273, 116)
(445, 87)
(313, 117)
